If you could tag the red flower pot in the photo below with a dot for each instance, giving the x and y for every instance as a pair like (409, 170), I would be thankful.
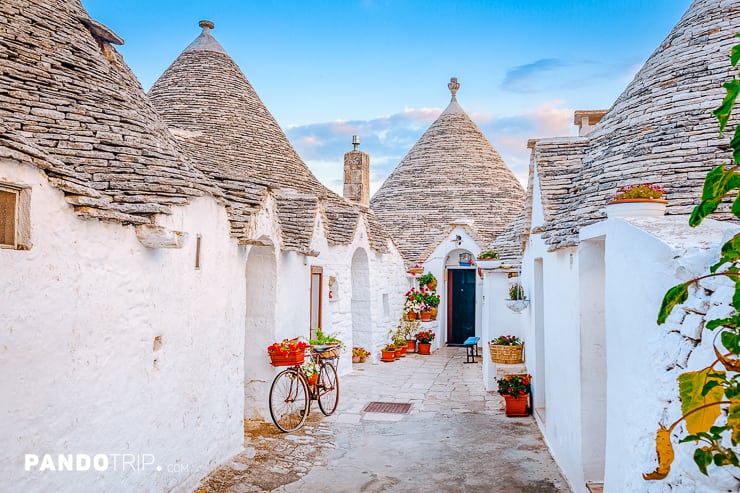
(410, 345)
(387, 356)
(398, 353)
(426, 316)
(411, 316)
(313, 379)
(290, 359)
(425, 348)
(517, 405)
(403, 350)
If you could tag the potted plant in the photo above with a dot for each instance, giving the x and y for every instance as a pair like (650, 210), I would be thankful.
(645, 199)
(506, 350)
(311, 370)
(327, 345)
(427, 280)
(424, 339)
(426, 315)
(388, 353)
(288, 352)
(403, 334)
(359, 355)
(516, 390)
(488, 259)
(432, 300)
(412, 305)
(517, 299)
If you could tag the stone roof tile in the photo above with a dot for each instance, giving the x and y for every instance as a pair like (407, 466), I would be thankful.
(66, 93)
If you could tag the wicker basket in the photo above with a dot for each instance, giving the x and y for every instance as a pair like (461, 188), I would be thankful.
(506, 355)
(327, 352)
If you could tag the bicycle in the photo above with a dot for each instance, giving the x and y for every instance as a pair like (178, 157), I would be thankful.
(291, 392)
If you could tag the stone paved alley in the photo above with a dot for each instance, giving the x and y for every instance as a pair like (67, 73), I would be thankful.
(455, 438)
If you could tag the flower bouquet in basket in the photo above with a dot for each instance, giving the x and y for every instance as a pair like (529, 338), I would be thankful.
(506, 350)
(289, 352)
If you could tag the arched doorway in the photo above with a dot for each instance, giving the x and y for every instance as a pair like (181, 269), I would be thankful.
(361, 316)
(259, 330)
(461, 294)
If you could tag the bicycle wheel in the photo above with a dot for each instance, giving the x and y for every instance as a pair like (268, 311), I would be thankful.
(328, 389)
(289, 400)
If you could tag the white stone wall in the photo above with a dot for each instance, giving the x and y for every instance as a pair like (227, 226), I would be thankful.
(645, 257)
(108, 347)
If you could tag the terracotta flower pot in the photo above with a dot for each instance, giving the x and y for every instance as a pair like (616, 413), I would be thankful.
(425, 348)
(398, 352)
(433, 312)
(312, 379)
(426, 316)
(387, 356)
(403, 350)
(355, 359)
(432, 285)
(411, 316)
(411, 345)
(517, 405)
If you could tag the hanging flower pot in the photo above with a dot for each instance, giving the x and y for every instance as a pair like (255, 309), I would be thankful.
(516, 305)
(433, 311)
(312, 379)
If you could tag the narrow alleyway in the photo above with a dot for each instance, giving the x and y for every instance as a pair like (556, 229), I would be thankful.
(455, 438)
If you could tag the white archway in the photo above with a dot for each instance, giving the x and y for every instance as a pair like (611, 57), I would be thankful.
(259, 330)
(361, 313)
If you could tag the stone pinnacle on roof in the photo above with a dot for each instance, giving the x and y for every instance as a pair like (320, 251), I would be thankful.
(205, 42)
(453, 86)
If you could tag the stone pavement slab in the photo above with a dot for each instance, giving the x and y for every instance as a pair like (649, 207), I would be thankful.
(455, 437)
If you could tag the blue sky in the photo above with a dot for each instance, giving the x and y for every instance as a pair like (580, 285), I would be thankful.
(379, 68)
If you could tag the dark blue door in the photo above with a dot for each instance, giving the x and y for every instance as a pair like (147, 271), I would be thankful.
(461, 308)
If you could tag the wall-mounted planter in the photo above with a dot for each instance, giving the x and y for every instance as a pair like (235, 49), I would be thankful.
(489, 263)
(517, 305)
(636, 208)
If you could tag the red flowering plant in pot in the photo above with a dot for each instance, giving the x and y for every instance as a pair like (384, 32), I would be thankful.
(425, 338)
(515, 389)
(289, 352)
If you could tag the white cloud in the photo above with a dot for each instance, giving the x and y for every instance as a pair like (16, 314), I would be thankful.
(388, 139)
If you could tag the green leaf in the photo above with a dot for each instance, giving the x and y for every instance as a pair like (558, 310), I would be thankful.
(735, 144)
(709, 386)
(733, 420)
(731, 322)
(702, 458)
(735, 54)
(736, 296)
(731, 341)
(724, 110)
(730, 252)
(675, 296)
(717, 184)
(691, 385)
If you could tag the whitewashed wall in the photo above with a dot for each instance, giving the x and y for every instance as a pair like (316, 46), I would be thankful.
(82, 373)
(645, 257)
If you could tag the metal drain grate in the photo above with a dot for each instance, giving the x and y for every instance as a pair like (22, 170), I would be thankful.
(387, 407)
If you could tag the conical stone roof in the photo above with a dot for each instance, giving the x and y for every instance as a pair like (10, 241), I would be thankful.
(660, 129)
(220, 121)
(452, 173)
(69, 102)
